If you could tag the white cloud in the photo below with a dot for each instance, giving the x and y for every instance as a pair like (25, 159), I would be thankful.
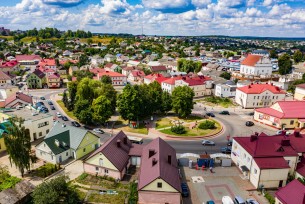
(201, 3)
(113, 7)
(281, 9)
(232, 3)
(165, 4)
(251, 2)
(253, 12)
(267, 2)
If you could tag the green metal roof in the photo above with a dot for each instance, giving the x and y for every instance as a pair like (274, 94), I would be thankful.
(59, 143)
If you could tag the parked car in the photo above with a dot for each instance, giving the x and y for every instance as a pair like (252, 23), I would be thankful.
(229, 143)
(52, 108)
(279, 132)
(251, 201)
(210, 202)
(185, 190)
(249, 123)
(98, 130)
(50, 103)
(251, 114)
(75, 124)
(239, 200)
(224, 113)
(58, 114)
(64, 118)
(208, 143)
(42, 98)
(87, 127)
(227, 200)
(226, 150)
(211, 115)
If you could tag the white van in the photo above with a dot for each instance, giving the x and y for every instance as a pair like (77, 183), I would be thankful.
(227, 200)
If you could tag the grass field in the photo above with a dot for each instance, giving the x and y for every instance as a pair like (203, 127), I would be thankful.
(69, 113)
(166, 121)
(103, 40)
(7, 37)
(213, 100)
(141, 129)
(194, 131)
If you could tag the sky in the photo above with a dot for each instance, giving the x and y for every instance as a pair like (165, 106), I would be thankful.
(269, 18)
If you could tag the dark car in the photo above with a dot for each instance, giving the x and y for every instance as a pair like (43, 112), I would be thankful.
(249, 123)
(185, 190)
(38, 104)
(229, 143)
(52, 108)
(224, 113)
(75, 124)
(64, 118)
(50, 103)
(210, 202)
(226, 150)
(42, 98)
(211, 115)
(251, 114)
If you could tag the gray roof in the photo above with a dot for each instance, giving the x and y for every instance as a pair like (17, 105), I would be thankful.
(15, 195)
(76, 134)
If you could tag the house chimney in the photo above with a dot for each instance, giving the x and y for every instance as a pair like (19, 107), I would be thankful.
(125, 140)
(118, 143)
(253, 138)
(154, 161)
(284, 132)
(169, 159)
(151, 153)
(297, 133)
(285, 142)
(256, 134)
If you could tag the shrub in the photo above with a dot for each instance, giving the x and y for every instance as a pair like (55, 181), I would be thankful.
(207, 125)
(178, 129)
(133, 196)
(82, 176)
(270, 198)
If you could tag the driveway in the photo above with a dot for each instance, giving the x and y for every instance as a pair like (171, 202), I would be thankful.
(225, 181)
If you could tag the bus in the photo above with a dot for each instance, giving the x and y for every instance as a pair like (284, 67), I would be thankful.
(136, 140)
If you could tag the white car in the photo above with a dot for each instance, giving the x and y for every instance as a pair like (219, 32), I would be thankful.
(208, 143)
(98, 130)
(227, 200)
(251, 201)
(58, 114)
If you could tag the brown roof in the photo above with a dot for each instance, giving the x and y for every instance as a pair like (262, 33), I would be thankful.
(18, 95)
(302, 86)
(118, 156)
(4, 76)
(157, 166)
(158, 68)
(39, 73)
(251, 60)
(136, 150)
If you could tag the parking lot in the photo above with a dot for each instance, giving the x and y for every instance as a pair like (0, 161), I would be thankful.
(225, 181)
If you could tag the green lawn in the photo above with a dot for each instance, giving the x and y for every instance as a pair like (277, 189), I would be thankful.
(214, 100)
(195, 131)
(166, 121)
(163, 123)
(141, 129)
(69, 113)
(113, 199)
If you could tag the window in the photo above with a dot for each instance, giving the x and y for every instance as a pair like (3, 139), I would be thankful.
(248, 159)
(106, 171)
(96, 168)
(40, 134)
(101, 162)
(257, 97)
(254, 97)
(67, 153)
(272, 97)
(159, 185)
(288, 161)
(84, 150)
(291, 122)
(244, 155)
(255, 171)
(40, 152)
(51, 157)
(47, 131)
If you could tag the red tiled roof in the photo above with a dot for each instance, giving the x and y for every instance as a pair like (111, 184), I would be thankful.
(171, 81)
(260, 88)
(290, 109)
(137, 73)
(292, 193)
(110, 73)
(8, 64)
(301, 168)
(160, 79)
(108, 65)
(118, 156)
(47, 62)
(161, 169)
(4, 76)
(18, 95)
(96, 70)
(271, 163)
(251, 60)
(27, 57)
(301, 86)
(158, 68)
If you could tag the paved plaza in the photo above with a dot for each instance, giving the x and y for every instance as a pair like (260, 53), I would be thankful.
(225, 181)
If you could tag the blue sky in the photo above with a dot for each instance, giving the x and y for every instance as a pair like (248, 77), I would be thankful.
(279, 18)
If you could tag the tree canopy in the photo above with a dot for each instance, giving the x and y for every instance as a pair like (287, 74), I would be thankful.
(298, 56)
(285, 64)
(189, 65)
(182, 101)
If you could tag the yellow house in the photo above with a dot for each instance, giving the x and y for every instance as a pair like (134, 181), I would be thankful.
(53, 81)
(299, 93)
(2, 144)
(282, 114)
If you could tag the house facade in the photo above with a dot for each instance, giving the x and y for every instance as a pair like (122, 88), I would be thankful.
(256, 65)
(299, 93)
(136, 76)
(54, 81)
(36, 80)
(282, 114)
(65, 142)
(28, 60)
(225, 90)
(5, 79)
(116, 78)
(258, 95)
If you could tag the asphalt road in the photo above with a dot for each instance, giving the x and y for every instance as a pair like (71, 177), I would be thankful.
(234, 125)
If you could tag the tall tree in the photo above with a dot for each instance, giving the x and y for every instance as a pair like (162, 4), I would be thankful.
(65, 99)
(285, 64)
(273, 54)
(155, 96)
(18, 144)
(106, 79)
(56, 190)
(110, 93)
(83, 111)
(182, 98)
(83, 60)
(297, 56)
(166, 105)
(101, 110)
(72, 89)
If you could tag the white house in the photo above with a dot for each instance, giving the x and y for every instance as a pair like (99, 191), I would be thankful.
(258, 95)
(299, 93)
(256, 65)
(266, 160)
(227, 89)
